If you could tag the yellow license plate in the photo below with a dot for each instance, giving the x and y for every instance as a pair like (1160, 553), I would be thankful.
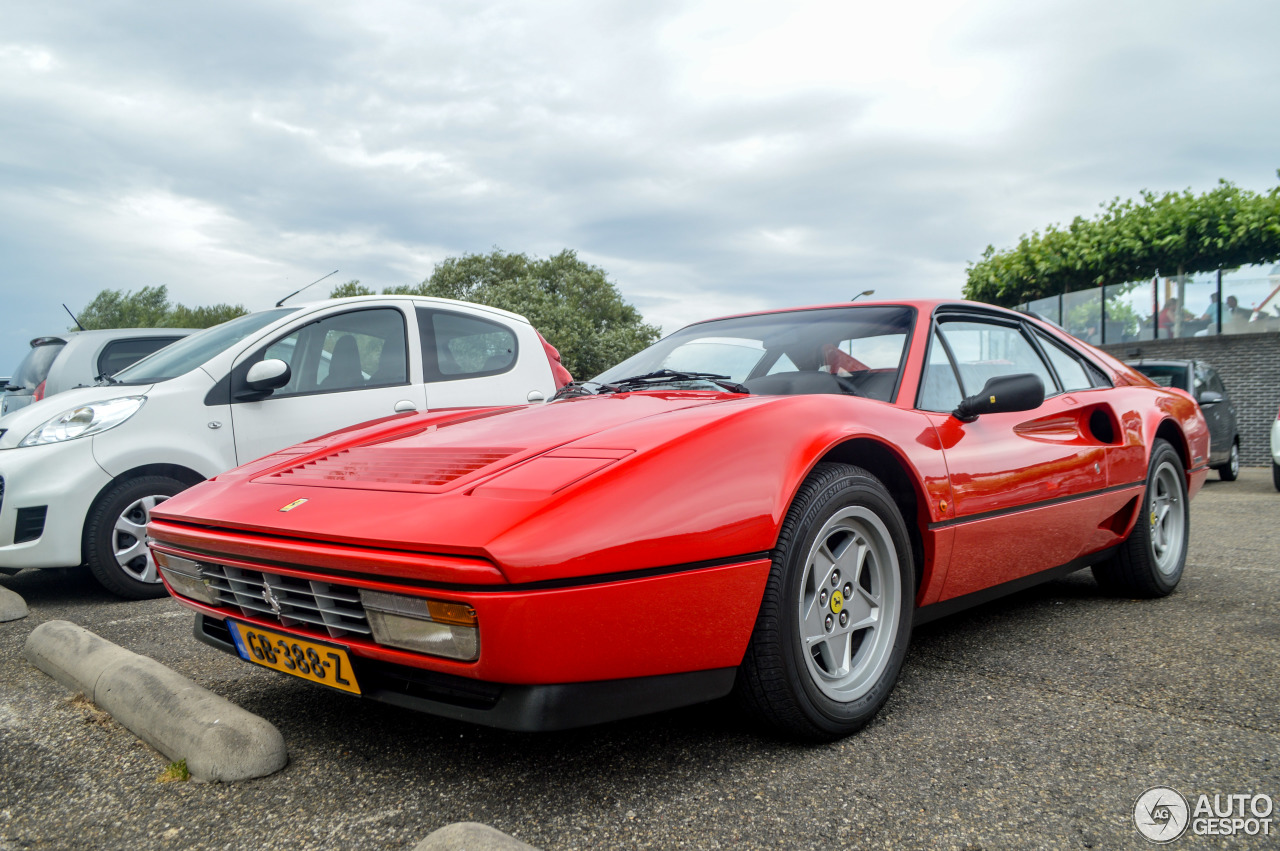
(310, 660)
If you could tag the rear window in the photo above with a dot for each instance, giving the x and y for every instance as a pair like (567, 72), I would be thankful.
(35, 366)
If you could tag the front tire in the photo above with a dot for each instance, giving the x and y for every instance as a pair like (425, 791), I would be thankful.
(835, 619)
(1150, 561)
(1275, 475)
(115, 546)
(1230, 471)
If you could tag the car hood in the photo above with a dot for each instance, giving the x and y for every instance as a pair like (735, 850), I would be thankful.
(530, 488)
(20, 423)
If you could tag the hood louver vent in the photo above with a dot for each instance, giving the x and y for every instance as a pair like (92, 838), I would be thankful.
(387, 468)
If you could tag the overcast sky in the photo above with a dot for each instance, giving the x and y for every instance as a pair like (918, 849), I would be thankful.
(711, 156)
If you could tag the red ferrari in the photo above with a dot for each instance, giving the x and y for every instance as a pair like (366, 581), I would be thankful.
(761, 504)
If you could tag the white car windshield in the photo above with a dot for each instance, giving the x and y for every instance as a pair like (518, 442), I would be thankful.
(190, 352)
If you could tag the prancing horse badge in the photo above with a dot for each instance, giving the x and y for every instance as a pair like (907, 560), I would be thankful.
(291, 506)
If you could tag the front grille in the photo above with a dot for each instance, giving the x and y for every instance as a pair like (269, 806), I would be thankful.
(321, 607)
(30, 524)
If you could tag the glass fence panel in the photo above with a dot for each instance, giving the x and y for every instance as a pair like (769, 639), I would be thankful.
(1082, 315)
(1128, 312)
(1046, 307)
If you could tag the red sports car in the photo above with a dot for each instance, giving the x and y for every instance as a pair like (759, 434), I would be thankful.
(761, 504)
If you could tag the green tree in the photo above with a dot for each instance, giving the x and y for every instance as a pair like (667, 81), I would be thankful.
(571, 302)
(1174, 233)
(350, 288)
(149, 307)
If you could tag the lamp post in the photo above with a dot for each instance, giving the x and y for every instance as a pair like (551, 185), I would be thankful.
(861, 294)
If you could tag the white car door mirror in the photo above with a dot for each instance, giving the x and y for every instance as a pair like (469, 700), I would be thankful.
(268, 375)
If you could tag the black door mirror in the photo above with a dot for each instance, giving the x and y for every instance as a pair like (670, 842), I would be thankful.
(264, 377)
(1004, 393)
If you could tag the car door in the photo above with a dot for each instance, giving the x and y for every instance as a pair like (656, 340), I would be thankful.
(345, 367)
(1023, 484)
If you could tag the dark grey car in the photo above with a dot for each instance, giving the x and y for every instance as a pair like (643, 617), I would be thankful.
(1203, 383)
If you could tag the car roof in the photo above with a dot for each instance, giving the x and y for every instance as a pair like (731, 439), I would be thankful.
(109, 333)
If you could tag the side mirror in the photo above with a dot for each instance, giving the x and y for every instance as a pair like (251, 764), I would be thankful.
(1211, 397)
(264, 377)
(1003, 394)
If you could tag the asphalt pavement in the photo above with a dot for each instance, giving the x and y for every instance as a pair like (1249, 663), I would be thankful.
(1034, 721)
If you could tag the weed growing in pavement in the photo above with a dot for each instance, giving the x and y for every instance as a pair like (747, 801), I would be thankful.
(176, 772)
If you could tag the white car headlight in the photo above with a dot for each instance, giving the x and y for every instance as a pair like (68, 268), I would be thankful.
(94, 418)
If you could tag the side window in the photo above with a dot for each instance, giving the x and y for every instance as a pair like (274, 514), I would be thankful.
(939, 391)
(455, 346)
(118, 354)
(349, 351)
(987, 350)
(1070, 371)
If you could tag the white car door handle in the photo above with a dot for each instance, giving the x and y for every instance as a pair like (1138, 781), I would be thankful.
(404, 406)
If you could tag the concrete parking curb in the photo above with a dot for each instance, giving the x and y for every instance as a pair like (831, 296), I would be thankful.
(12, 607)
(471, 836)
(219, 740)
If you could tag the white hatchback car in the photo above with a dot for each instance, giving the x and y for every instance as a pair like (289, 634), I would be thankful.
(79, 473)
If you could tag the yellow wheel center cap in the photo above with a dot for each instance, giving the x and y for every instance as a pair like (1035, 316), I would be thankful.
(837, 602)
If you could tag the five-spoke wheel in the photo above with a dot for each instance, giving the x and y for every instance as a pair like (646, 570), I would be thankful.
(835, 619)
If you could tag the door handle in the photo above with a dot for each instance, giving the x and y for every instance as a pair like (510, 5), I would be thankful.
(404, 406)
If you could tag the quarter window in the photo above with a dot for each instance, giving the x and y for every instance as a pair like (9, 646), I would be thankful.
(456, 346)
(1069, 369)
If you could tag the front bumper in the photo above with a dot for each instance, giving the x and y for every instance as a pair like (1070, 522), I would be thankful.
(526, 708)
(551, 656)
(62, 477)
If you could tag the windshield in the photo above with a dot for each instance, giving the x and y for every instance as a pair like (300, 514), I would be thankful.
(190, 352)
(1165, 374)
(35, 366)
(855, 350)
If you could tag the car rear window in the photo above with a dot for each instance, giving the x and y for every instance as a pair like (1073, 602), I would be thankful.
(35, 366)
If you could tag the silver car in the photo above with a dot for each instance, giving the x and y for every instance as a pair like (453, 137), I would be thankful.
(77, 359)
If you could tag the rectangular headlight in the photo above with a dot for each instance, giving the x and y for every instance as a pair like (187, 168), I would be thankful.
(185, 577)
(427, 626)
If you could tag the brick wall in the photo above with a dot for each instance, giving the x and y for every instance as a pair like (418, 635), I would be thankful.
(1249, 365)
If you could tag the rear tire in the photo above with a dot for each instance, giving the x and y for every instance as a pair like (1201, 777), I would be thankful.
(1150, 561)
(835, 619)
(1230, 471)
(115, 547)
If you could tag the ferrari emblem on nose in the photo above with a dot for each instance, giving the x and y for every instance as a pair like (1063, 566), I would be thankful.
(272, 600)
(291, 506)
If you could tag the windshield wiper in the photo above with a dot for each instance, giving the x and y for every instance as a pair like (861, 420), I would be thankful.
(666, 376)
